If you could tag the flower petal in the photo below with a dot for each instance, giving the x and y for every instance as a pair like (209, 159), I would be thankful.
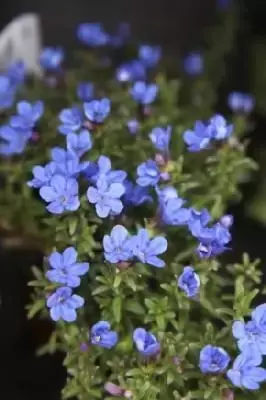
(69, 256)
(55, 260)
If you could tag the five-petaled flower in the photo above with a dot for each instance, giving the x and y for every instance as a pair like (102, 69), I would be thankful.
(92, 34)
(79, 143)
(199, 138)
(246, 372)
(146, 250)
(194, 64)
(106, 196)
(241, 102)
(42, 175)
(65, 269)
(102, 335)
(150, 55)
(61, 193)
(67, 162)
(148, 173)
(131, 71)
(97, 110)
(12, 141)
(103, 170)
(218, 128)
(117, 245)
(249, 337)
(85, 91)
(144, 93)
(51, 58)
(213, 360)
(63, 304)
(28, 115)
(189, 281)
(146, 343)
(160, 138)
(71, 119)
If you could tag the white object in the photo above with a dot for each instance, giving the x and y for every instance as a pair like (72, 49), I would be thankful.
(21, 40)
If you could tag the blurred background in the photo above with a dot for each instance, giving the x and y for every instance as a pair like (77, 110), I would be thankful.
(178, 26)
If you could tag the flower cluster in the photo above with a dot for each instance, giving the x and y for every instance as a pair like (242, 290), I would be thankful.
(127, 202)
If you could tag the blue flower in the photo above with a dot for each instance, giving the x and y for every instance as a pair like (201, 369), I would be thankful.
(97, 110)
(189, 281)
(106, 197)
(92, 34)
(133, 126)
(249, 337)
(160, 138)
(218, 128)
(7, 93)
(80, 143)
(103, 169)
(65, 269)
(62, 194)
(131, 71)
(51, 58)
(42, 175)
(135, 195)
(241, 102)
(117, 246)
(213, 360)
(16, 72)
(170, 207)
(67, 162)
(12, 141)
(246, 372)
(147, 250)
(144, 93)
(146, 343)
(63, 304)
(202, 216)
(199, 138)
(28, 115)
(193, 64)
(259, 317)
(148, 173)
(72, 120)
(213, 240)
(150, 55)
(101, 335)
(85, 91)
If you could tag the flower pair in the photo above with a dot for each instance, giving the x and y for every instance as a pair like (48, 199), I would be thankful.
(119, 246)
(65, 270)
(102, 335)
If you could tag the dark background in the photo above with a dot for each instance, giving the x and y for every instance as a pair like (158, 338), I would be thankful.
(177, 25)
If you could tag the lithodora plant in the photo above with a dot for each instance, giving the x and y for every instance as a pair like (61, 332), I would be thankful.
(125, 181)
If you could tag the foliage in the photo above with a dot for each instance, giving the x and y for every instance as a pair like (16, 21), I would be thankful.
(177, 321)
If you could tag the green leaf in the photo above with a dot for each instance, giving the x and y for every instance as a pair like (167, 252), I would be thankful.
(135, 307)
(35, 308)
(116, 307)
